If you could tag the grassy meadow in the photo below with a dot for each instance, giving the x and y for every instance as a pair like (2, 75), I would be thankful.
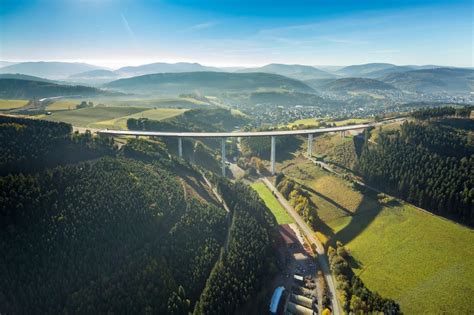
(422, 261)
(178, 102)
(84, 117)
(12, 104)
(154, 114)
(316, 122)
(272, 203)
(63, 104)
(112, 117)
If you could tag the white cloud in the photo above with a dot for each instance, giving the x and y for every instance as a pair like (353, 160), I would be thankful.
(201, 26)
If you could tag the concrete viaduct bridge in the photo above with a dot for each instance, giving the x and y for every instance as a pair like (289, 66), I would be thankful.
(225, 135)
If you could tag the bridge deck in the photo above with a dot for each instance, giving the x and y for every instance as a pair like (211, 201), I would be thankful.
(230, 134)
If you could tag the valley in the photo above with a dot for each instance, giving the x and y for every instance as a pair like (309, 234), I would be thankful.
(351, 222)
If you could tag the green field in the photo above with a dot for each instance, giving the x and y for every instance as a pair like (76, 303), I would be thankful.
(306, 122)
(424, 262)
(62, 105)
(178, 102)
(85, 117)
(272, 203)
(12, 104)
(315, 121)
(353, 121)
(154, 114)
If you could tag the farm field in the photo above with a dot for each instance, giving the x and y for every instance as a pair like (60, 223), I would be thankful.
(154, 114)
(315, 122)
(12, 104)
(422, 261)
(272, 203)
(306, 122)
(85, 117)
(181, 102)
(63, 104)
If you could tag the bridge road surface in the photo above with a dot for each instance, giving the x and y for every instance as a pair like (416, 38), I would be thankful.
(230, 134)
(322, 257)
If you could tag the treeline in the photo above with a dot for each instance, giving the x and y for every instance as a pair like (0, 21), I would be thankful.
(298, 198)
(261, 146)
(355, 297)
(209, 119)
(31, 89)
(247, 261)
(29, 145)
(203, 152)
(429, 166)
(440, 112)
(116, 234)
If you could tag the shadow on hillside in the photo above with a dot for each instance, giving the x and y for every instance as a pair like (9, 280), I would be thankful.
(360, 220)
(331, 201)
(358, 144)
(285, 153)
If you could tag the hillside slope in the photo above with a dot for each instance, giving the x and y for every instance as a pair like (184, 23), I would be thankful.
(299, 72)
(21, 89)
(418, 259)
(206, 82)
(117, 233)
(49, 70)
(162, 67)
(364, 69)
(433, 80)
(356, 84)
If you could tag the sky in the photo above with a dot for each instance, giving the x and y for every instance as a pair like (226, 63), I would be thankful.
(116, 33)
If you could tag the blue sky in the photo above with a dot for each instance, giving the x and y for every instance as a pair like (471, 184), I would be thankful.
(224, 33)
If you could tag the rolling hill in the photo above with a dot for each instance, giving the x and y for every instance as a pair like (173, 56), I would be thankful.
(6, 63)
(355, 84)
(162, 67)
(49, 70)
(285, 98)
(433, 80)
(362, 70)
(98, 76)
(206, 82)
(28, 89)
(18, 76)
(299, 72)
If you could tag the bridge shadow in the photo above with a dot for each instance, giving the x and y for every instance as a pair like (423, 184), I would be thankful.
(368, 209)
(329, 200)
(284, 151)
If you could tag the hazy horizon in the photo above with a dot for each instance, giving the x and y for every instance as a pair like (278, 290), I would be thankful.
(112, 65)
(124, 33)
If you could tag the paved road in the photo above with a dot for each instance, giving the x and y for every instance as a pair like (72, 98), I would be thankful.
(232, 134)
(322, 258)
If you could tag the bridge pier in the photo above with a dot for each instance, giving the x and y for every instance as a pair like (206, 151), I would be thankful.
(310, 145)
(180, 147)
(223, 155)
(272, 155)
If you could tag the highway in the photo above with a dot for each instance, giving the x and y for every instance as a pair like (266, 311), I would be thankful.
(230, 134)
(309, 233)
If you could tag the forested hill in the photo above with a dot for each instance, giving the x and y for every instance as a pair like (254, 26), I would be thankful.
(356, 84)
(197, 120)
(206, 82)
(109, 232)
(217, 119)
(430, 164)
(30, 89)
(247, 264)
